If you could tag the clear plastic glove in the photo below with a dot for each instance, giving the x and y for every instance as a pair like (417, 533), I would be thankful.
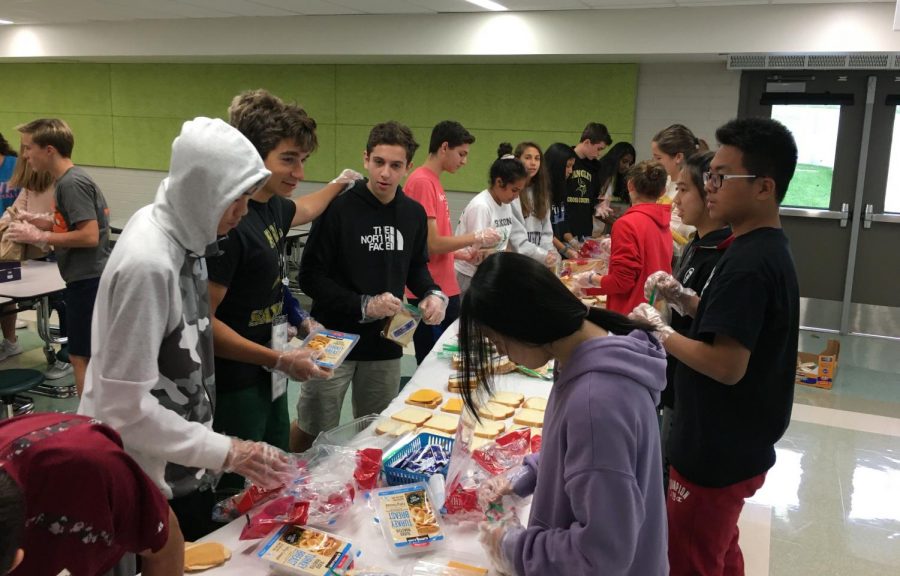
(263, 464)
(308, 326)
(433, 308)
(572, 254)
(381, 306)
(347, 177)
(487, 238)
(574, 244)
(490, 535)
(551, 259)
(668, 288)
(492, 491)
(584, 279)
(43, 220)
(25, 233)
(651, 315)
(603, 210)
(291, 332)
(299, 364)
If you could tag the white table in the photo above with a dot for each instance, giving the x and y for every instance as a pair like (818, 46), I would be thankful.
(357, 526)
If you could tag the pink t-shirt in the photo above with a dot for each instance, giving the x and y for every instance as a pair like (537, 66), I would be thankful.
(424, 187)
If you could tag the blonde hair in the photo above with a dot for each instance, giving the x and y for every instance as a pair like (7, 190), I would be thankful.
(24, 176)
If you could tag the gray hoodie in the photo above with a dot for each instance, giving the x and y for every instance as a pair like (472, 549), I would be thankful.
(151, 376)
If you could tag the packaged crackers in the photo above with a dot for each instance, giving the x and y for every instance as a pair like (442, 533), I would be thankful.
(409, 521)
(334, 346)
(308, 552)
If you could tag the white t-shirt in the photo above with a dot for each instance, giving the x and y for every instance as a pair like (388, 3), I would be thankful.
(484, 212)
(530, 236)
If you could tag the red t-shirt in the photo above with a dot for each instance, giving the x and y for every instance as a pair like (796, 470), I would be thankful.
(641, 245)
(86, 501)
(424, 187)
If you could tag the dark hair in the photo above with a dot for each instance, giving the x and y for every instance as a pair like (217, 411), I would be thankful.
(555, 158)
(695, 166)
(5, 149)
(393, 133)
(649, 179)
(453, 133)
(12, 520)
(505, 285)
(679, 138)
(596, 132)
(50, 132)
(609, 167)
(265, 120)
(768, 148)
(538, 202)
(506, 167)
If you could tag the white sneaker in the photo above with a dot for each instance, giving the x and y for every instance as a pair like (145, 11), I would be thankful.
(21, 324)
(8, 349)
(58, 370)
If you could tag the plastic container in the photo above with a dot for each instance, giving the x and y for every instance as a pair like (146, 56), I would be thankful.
(396, 476)
(408, 519)
(355, 434)
(305, 551)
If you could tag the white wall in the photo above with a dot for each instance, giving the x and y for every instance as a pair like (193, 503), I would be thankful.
(700, 96)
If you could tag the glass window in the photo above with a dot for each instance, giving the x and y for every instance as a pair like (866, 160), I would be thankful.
(815, 128)
(892, 194)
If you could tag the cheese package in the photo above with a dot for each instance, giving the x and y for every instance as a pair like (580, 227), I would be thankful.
(513, 399)
(426, 398)
(334, 346)
(489, 429)
(529, 417)
(400, 327)
(495, 411)
(307, 551)
(409, 521)
(536, 403)
(204, 555)
(454, 405)
(443, 422)
(393, 427)
(415, 416)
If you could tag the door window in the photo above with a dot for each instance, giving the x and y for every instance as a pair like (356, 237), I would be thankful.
(815, 129)
(892, 193)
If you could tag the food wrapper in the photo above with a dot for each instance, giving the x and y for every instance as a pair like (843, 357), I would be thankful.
(428, 460)
(400, 327)
(409, 521)
(241, 503)
(505, 453)
(306, 551)
(334, 346)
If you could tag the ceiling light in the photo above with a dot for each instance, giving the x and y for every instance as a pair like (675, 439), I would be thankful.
(488, 5)
(2, 22)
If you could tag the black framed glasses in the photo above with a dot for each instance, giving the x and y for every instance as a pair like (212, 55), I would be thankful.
(715, 180)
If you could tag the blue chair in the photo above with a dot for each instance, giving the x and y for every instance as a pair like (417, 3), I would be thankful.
(15, 381)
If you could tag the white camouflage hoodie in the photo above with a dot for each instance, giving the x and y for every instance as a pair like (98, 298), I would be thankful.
(151, 376)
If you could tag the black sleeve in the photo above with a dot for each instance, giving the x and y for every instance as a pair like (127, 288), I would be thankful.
(419, 280)
(735, 306)
(315, 276)
(287, 210)
(223, 266)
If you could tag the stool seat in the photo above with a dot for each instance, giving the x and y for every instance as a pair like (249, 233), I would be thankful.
(16, 380)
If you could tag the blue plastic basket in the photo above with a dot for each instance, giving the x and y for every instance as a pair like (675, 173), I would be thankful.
(398, 476)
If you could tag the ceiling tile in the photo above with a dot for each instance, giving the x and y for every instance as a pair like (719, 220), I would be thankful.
(309, 7)
(238, 7)
(384, 6)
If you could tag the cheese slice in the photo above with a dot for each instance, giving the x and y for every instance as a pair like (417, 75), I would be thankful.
(513, 399)
(489, 429)
(495, 411)
(426, 396)
(454, 405)
(393, 428)
(415, 416)
(205, 555)
(468, 568)
(430, 406)
(536, 403)
(529, 417)
(444, 422)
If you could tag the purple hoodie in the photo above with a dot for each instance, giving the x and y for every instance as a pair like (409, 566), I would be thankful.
(598, 504)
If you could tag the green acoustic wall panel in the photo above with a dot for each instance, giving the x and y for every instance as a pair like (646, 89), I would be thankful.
(56, 89)
(189, 90)
(144, 143)
(320, 166)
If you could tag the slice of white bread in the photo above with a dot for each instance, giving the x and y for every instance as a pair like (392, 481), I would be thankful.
(494, 411)
(430, 406)
(393, 428)
(411, 415)
(489, 429)
(513, 399)
(436, 432)
(444, 422)
(536, 403)
(529, 417)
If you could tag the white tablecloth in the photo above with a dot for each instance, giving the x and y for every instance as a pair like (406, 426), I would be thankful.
(358, 526)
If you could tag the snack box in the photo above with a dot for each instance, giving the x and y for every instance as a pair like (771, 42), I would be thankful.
(409, 521)
(334, 345)
(305, 551)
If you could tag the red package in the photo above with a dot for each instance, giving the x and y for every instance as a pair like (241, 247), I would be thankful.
(368, 467)
(284, 510)
(461, 500)
(590, 249)
(536, 443)
(506, 452)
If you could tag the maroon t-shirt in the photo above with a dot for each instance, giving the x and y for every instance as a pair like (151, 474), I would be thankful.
(86, 501)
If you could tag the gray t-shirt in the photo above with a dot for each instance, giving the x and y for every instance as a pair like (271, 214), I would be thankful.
(79, 199)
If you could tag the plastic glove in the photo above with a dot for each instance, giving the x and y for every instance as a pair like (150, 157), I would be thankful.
(499, 486)
(584, 279)
(572, 254)
(551, 259)
(299, 364)
(381, 306)
(308, 326)
(651, 315)
(43, 220)
(433, 308)
(670, 289)
(603, 210)
(291, 332)
(574, 244)
(25, 233)
(347, 177)
(487, 237)
(263, 464)
(490, 535)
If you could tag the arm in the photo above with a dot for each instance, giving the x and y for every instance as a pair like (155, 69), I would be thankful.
(526, 480)
(518, 236)
(624, 261)
(725, 360)
(229, 344)
(311, 206)
(418, 278)
(438, 244)
(169, 559)
(85, 235)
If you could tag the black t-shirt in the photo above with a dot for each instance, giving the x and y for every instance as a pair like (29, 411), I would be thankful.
(582, 192)
(724, 434)
(250, 265)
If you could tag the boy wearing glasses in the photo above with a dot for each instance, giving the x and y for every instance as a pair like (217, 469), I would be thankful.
(735, 379)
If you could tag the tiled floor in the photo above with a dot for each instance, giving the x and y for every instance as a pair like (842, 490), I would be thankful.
(831, 504)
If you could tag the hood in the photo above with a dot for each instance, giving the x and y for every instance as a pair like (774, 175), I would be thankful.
(638, 357)
(661, 214)
(212, 165)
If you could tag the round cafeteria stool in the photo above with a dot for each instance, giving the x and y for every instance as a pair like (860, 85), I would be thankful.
(15, 381)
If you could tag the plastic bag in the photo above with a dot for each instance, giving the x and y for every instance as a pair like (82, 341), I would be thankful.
(241, 503)
(400, 327)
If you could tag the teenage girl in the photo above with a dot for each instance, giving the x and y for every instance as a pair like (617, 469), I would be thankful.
(671, 147)
(533, 234)
(559, 160)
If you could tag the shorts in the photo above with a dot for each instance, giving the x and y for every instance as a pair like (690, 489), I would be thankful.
(80, 297)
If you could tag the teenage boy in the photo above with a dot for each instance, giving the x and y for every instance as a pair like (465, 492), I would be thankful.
(735, 378)
(370, 243)
(80, 234)
(448, 151)
(152, 376)
(583, 184)
(247, 277)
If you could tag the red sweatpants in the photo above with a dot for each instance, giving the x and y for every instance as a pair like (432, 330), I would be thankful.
(703, 530)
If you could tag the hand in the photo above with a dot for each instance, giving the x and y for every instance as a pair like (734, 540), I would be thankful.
(466, 254)
(433, 308)
(572, 254)
(574, 244)
(651, 315)
(347, 177)
(382, 306)
(25, 233)
(299, 364)
(584, 279)
(551, 259)
(490, 535)
(44, 220)
(492, 491)
(262, 464)
(669, 289)
(603, 211)
(308, 326)
(487, 238)
(291, 332)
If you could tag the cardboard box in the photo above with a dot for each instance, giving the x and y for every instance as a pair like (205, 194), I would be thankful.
(820, 369)
(10, 271)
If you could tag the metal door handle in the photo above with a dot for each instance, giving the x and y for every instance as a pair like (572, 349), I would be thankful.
(867, 217)
(845, 214)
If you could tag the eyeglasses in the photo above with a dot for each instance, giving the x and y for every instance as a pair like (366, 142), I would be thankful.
(715, 181)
